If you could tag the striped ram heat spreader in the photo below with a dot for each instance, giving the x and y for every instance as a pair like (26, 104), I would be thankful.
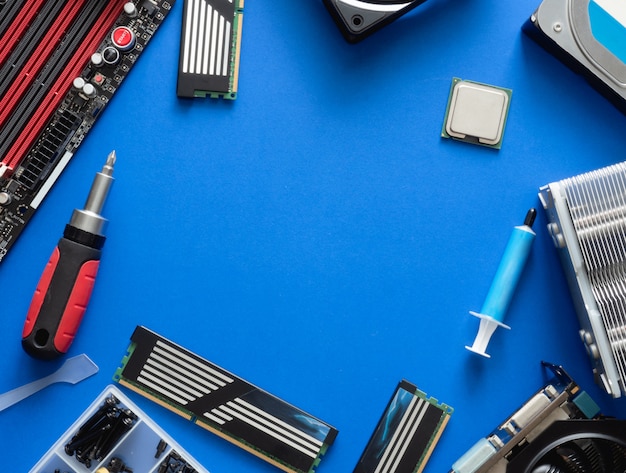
(210, 47)
(406, 434)
(223, 403)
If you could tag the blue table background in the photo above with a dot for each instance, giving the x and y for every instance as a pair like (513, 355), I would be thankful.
(317, 237)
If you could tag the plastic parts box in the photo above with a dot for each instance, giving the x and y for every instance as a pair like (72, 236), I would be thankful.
(145, 448)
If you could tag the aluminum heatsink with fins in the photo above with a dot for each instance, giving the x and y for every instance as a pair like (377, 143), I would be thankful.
(587, 221)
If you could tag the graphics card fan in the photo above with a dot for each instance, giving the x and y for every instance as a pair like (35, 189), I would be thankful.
(575, 446)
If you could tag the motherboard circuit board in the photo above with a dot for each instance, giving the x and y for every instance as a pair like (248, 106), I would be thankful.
(61, 62)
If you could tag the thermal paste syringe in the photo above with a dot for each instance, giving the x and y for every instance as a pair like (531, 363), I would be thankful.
(504, 283)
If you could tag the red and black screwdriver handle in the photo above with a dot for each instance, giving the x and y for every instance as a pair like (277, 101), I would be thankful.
(62, 295)
(65, 286)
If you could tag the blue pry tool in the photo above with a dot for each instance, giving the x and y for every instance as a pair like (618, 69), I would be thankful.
(504, 283)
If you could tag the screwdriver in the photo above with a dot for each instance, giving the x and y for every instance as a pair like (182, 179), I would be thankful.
(63, 292)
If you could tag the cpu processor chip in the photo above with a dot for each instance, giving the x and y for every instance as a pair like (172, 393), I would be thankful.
(476, 113)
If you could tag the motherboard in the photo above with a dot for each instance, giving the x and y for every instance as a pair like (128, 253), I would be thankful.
(61, 62)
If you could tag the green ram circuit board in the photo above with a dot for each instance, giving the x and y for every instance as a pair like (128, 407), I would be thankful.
(223, 403)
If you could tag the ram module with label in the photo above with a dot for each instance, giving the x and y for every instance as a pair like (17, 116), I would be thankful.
(61, 62)
(223, 403)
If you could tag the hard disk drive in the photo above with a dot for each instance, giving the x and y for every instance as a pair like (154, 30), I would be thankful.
(590, 37)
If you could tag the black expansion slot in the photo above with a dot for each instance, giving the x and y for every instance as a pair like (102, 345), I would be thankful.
(8, 11)
(54, 66)
(26, 47)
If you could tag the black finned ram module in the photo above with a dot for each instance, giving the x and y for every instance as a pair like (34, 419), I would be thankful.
(406, 434)
(61, 62)
(209, 48)
(223, 403)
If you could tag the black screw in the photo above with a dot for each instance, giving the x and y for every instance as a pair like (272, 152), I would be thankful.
(79, 443)
(99, 434)
(123, 423)
(116, 465)
(99, 415)
(160, 448)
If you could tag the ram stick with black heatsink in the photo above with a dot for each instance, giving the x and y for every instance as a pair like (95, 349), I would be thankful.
(210, 44)
(406, 434)
(60, 64)
(223, 403)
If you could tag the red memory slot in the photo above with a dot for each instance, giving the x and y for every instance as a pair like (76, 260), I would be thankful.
(39, 58)
(63, 84)
(20, 24)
